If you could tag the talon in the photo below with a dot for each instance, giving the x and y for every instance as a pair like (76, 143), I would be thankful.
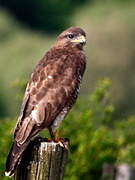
(61, 144)
(66, 146)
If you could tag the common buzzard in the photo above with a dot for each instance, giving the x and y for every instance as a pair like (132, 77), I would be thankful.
(50, 93)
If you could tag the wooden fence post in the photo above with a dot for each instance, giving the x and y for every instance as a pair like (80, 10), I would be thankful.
(121, 172)
(125, 172)
(42, 160)
(108, 172)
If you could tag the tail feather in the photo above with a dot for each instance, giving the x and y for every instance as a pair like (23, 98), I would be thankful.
(14, 158)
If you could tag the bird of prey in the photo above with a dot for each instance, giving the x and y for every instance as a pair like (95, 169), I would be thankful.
(50, 93)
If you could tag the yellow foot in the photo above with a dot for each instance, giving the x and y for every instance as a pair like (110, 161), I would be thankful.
(63, 142)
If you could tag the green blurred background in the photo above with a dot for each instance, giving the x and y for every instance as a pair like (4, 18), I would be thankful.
(101, 126)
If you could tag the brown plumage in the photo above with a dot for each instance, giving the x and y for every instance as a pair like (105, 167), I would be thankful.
(50, 93)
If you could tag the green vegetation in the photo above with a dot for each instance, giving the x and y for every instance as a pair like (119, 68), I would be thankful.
(110, 48)
(6, 130)
(96, 138)
(96, 134)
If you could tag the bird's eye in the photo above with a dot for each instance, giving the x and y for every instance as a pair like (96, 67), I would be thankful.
(71, 36)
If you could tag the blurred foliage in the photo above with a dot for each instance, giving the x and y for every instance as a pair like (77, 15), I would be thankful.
(95, 137)
(46, 15)
(110, 29)
(20, 86)
(6, 129)
(3, 109)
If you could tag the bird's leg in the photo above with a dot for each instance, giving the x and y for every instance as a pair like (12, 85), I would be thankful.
(56, 138)
(54, 134)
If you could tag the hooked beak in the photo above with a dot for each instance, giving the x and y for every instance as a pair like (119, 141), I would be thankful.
(81, 39)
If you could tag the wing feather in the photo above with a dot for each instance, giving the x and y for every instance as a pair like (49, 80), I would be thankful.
(50, 88)
(23, 108)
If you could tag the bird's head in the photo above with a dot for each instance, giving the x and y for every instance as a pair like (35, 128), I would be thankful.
(73, 37)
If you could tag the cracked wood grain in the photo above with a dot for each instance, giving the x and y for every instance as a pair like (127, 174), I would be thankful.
(42, 160)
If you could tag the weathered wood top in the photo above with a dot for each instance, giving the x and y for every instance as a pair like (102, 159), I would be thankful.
(43, 160)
